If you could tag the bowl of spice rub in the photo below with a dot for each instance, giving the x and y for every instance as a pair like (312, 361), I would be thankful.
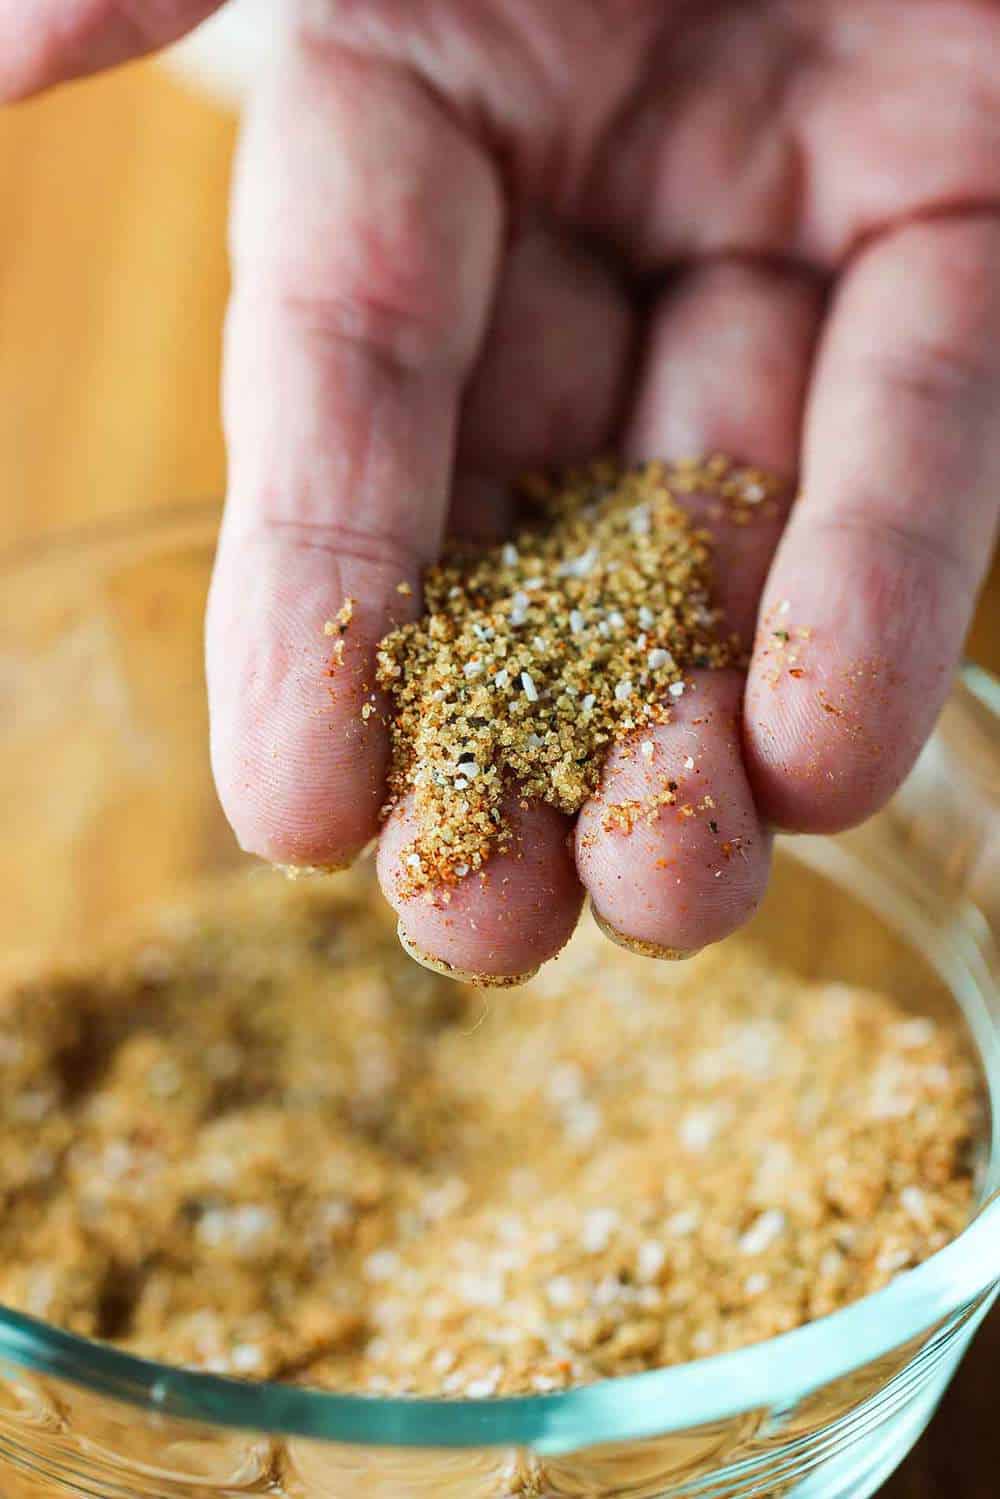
(285, 1212)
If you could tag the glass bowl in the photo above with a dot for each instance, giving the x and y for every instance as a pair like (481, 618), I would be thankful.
(109, 807)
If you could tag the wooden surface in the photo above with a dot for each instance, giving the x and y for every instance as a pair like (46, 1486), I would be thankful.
(112, 287)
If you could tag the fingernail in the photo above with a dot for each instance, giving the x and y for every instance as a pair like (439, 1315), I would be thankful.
(310, 871)
(638, 945)
(449, 971)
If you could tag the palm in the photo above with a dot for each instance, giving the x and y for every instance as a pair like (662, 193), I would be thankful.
(678, 130)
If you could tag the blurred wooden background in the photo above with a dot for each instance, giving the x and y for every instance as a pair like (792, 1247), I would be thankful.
(112, 287)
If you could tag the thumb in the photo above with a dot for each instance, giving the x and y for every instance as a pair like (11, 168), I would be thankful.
(63, 39)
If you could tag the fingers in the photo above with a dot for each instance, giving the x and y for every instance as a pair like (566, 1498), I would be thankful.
(875, 580)
(498, 925)
(673, 851)
(549, 386)
(364, 262)
(547, 389)
(726, 370)
(63, 39)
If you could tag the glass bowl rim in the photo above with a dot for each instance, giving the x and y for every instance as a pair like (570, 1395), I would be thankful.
(777, 1371)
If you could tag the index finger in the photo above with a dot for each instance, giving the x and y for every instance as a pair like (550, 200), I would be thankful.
(365, 241)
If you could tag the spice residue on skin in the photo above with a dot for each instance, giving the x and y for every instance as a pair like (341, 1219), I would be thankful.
(262, 1142)
(535, 656)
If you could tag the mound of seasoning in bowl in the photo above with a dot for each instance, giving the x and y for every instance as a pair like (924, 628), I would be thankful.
(260, 1141)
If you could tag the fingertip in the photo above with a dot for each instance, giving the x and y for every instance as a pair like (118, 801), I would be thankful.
(851, 666)
(515, 914)
(823, 759)
(672, 850)
(298, 743)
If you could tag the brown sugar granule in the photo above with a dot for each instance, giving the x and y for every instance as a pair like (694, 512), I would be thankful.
(534, 656)
(260, 1141)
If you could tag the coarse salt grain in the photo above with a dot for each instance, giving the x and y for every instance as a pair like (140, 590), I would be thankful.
(481, 1289)
(683, 1223)
(579, 567)
(676, 689)
(623, 689)
(915, 1033)
(658, 657)
(381, 1265)
(698, 1128)
(891, 1260)
(576, 621)
(530, 690)
(650, 1259)
(764, 1231)
(565, 1083)
(582, 1122)
(559, 1292)
(607, 1291)
(597, 1228)
(914, 1204)
(509, 555)
(480, 1389)
(689, 762)
(646, 749)
(244, 1358)
(587, 702)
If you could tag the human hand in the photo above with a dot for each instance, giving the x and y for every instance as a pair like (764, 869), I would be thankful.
(431, 201)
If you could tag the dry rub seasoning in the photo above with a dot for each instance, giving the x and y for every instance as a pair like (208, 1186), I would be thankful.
(262, 1142)
(532, 657)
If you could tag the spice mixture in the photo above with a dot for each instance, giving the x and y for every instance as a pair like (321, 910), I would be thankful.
(534, 656)
(261, 1141)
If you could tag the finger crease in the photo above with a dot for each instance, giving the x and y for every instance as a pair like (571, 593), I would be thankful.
(381, 549)
(921, 543)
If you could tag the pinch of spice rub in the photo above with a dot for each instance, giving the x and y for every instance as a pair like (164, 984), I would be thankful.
(533, 657)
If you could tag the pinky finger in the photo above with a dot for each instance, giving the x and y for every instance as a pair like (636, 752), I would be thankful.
(871, 593)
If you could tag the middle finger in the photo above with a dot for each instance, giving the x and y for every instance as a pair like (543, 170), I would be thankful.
(727, 367)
